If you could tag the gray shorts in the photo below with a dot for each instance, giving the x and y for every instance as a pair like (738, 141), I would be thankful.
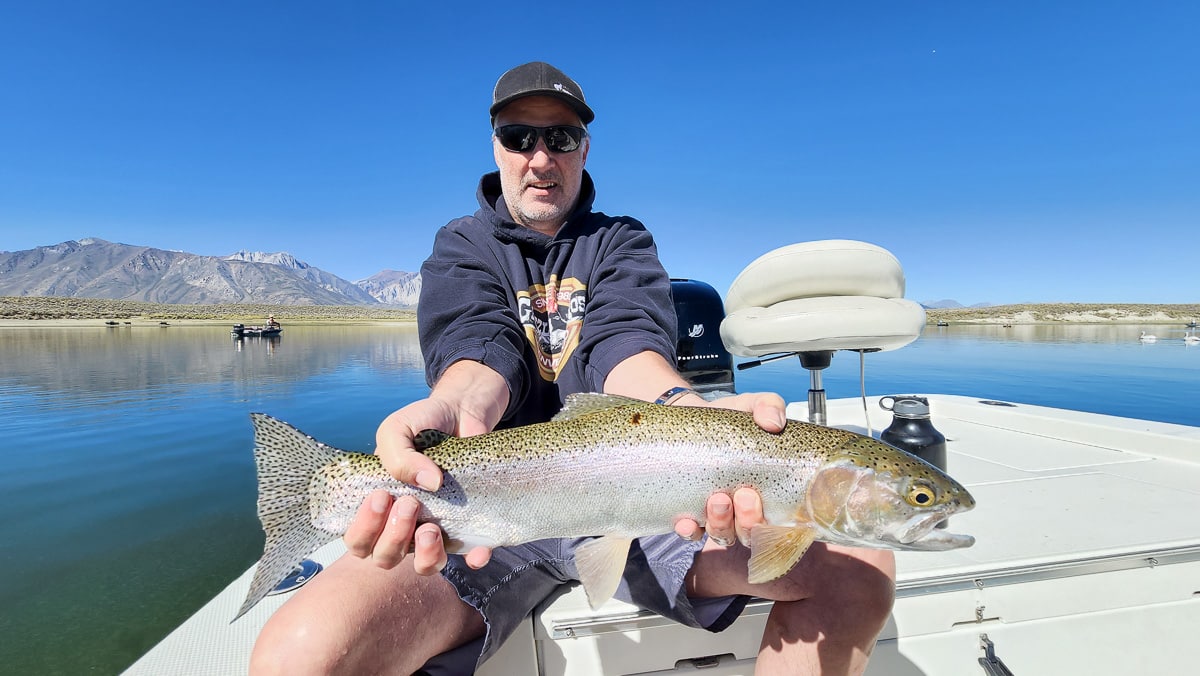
(518, 578)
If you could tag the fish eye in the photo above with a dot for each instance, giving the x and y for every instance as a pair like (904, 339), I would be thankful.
(920, 495)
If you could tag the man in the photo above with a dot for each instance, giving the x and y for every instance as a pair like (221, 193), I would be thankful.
(532, 298)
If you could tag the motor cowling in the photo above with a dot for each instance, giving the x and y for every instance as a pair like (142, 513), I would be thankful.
(700, 356)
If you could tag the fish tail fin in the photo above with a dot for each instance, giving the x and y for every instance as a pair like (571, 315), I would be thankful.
(286, 459)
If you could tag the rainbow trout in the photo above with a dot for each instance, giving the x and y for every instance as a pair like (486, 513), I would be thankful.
(616, 468)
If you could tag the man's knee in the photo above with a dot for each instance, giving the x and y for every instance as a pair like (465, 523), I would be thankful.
(860, 582)
(833, 571)
(292, 644)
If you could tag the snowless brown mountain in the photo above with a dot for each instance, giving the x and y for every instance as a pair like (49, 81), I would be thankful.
(95, 268)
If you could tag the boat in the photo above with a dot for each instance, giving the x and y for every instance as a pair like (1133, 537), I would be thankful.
(255, 331)
(270, 328)
(1086, 558)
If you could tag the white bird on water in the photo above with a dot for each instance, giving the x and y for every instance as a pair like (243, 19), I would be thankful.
(1147, 338)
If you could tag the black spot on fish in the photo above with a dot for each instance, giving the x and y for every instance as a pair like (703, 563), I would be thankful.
(636, 419)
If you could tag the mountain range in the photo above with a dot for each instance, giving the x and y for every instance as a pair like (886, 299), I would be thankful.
(95, 268)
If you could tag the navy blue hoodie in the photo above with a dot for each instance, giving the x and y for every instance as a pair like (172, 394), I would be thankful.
(553, 315)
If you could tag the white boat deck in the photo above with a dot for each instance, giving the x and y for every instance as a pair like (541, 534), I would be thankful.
(1087, 561)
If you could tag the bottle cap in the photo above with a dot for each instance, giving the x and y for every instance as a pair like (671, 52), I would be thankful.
(906, 405)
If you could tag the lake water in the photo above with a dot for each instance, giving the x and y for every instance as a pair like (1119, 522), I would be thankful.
(128, 490)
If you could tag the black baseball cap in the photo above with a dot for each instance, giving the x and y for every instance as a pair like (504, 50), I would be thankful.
(539, 79)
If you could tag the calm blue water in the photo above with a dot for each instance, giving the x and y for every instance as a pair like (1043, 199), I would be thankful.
(128, 485)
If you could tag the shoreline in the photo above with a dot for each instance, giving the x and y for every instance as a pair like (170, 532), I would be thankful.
(60, 311)
(89, 311)
(1068, 313)
(136, 323)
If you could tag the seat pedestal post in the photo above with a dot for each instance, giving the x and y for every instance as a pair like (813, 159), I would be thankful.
(816, 362)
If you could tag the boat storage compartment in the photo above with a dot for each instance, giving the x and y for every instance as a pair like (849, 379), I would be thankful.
(1084, 618)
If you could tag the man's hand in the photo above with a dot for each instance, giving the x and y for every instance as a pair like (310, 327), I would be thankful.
(465, 402)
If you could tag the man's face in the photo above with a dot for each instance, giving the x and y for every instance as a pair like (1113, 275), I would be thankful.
(540, 187)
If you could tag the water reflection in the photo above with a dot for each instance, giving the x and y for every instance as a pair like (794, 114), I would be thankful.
(1168, 334)
(1096, 368)
(118, 363)
(271, 342)
(128, 491)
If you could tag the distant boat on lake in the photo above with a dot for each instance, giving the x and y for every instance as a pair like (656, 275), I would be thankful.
(271, 328)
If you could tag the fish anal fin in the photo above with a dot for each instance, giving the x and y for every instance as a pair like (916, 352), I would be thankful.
(426, 439)
(583, 403)
(600, 563)
(774, 550)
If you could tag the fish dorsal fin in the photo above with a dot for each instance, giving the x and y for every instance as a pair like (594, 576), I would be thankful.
(774, 550)
(600, 563)
(427, 439)
(583, 403)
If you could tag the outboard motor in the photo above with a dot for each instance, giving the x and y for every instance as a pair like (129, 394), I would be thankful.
(700, 356)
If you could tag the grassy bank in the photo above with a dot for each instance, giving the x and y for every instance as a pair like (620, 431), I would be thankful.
(52, 307)
(1084, 313)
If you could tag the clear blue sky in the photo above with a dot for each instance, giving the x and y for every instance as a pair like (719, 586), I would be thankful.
(1004, 151)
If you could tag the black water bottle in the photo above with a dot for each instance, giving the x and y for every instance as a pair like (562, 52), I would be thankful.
(912, 431)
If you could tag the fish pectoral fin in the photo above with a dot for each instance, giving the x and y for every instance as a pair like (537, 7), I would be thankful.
(600, 563)
(774, 550)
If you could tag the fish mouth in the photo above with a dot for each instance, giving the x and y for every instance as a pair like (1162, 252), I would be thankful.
(938, 539)
(922, 533)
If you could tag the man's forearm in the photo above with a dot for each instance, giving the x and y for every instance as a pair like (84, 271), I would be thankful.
(646, 376)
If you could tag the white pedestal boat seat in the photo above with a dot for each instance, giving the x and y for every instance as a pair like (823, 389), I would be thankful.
(813, 298)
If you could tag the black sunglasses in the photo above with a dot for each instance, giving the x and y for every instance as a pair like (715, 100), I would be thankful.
(521, 138)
